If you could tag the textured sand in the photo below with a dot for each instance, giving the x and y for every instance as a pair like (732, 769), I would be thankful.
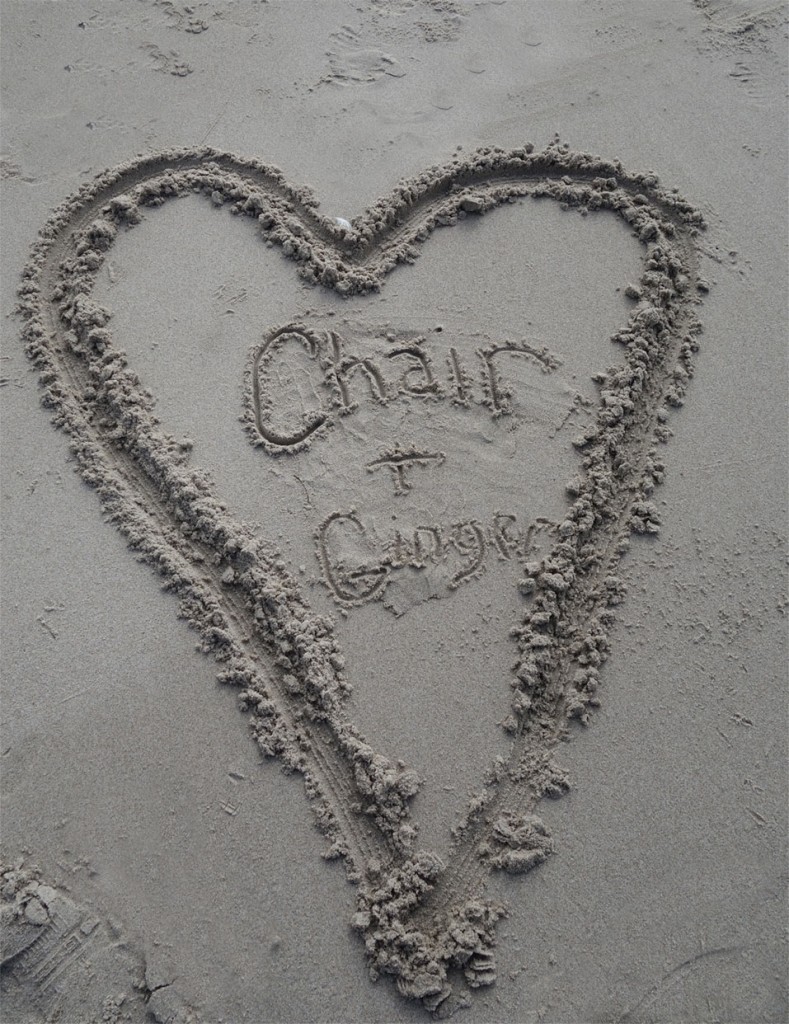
(177, 870)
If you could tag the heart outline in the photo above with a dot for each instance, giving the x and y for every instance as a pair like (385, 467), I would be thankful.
(417, 926)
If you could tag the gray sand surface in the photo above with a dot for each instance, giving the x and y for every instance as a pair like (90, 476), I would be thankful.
(156, 864)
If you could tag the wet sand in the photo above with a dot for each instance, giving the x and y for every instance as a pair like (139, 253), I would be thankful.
(433, 482)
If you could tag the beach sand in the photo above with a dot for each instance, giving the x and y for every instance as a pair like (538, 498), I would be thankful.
(430, 357)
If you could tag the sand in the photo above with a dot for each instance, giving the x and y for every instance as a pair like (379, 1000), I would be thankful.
(429, 479)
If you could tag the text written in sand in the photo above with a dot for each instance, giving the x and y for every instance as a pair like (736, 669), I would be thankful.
(357, 568)
(342, 379)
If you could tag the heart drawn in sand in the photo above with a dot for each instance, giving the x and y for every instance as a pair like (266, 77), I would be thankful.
(423, 921)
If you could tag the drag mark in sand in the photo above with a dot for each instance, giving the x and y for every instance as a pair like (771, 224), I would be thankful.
(426, 923)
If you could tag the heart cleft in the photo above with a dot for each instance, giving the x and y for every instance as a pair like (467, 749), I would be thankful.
(424, 922)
